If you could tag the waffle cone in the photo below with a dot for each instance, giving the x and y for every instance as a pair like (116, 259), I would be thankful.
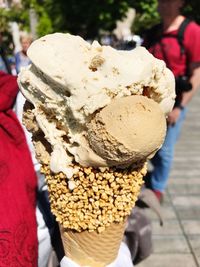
(92, 248)
(92, 231)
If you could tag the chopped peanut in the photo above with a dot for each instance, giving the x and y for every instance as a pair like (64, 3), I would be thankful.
(99, 198)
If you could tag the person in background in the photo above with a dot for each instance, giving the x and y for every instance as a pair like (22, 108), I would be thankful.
(18, 184)
(21, 58)
(177, 42)
(4, 64)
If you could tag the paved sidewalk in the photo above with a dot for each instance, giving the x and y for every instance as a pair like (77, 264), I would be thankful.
(177, 243)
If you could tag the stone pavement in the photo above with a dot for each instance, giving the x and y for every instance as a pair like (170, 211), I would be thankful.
(177, 243)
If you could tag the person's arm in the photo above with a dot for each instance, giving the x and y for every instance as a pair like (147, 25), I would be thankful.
(186, 96)
(192, 46)
(195, 81)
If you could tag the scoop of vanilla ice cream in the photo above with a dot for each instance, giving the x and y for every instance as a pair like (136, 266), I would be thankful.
(70, 80)
(128, 130)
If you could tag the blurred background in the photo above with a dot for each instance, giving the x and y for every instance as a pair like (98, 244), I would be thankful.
(118, 23)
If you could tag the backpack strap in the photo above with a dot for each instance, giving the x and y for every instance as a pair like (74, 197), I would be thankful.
(180, 34)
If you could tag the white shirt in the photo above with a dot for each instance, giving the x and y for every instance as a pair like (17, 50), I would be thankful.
(123, 259)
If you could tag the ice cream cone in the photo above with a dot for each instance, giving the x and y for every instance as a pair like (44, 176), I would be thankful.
(92, 248)
(92, 134)
(91, 234)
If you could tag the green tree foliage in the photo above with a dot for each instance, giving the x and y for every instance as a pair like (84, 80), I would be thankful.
(146, 15)
(13, 13)
(7, 16)
(4, 17)
(84, 17)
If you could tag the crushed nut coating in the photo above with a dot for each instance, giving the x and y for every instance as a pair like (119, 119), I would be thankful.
(98, 199)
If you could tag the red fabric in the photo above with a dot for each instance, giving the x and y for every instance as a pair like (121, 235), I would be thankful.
(177, 63)
(18, 235)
